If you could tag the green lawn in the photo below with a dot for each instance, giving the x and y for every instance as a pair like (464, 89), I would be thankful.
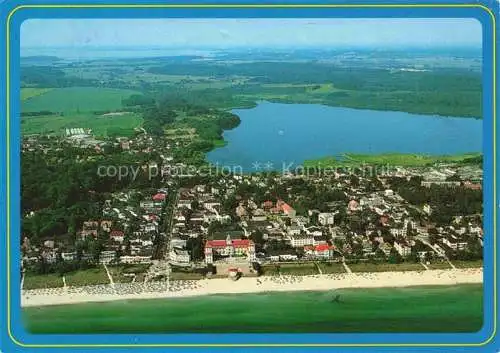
(88, 277)
(467, 264)
(439, 265)
(77, 100)
(111, 125)
(331, 267)
(385, 267)
(298, 269)
(42, 281)
(184, 276)
(117, 272)
(30, 92)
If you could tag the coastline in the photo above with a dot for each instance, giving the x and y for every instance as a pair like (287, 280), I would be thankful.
(182, 289)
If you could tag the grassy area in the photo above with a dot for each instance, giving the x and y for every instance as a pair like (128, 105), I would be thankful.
(101, 125)
(456, 308)
(468, 264)
(219, 143)
(88, 277)
(77, 100)
(331, 267)
(298, 269)
(30, 92)
(119, 272)
(395, 159)
(385, 267)
(42, 281)
(438, 265)
(179, 276)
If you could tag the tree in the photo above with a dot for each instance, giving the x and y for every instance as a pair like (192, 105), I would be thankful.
(395, 257)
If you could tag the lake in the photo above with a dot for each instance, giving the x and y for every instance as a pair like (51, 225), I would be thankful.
(273, 134)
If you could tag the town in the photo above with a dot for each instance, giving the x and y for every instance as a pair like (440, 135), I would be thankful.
(156, 225)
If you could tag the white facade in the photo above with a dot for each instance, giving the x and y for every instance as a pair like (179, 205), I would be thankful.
(403, 249)
(326, 218)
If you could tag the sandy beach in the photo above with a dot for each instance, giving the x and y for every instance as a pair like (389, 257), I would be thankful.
(176, 289)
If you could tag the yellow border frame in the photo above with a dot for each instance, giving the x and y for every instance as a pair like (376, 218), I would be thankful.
(242, 6)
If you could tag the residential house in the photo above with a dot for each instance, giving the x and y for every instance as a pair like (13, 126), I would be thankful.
(326, 218)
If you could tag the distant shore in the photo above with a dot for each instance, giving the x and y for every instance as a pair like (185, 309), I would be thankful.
(179, 289)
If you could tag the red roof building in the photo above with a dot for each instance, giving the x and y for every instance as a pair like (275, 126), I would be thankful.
(159, 197)
(321, 250)
(229, 248)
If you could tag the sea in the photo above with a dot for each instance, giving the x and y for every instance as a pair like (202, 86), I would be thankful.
(457, 308)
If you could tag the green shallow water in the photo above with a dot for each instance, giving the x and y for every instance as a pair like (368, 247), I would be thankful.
(412, 309)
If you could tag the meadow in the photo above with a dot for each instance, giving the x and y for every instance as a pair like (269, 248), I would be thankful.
(101, 125)
(75, 99)
(395, 159)
(411, 309)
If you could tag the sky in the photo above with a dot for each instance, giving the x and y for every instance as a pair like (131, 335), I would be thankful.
(229, 33)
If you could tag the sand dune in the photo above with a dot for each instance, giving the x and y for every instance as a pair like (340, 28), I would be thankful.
(176, 289)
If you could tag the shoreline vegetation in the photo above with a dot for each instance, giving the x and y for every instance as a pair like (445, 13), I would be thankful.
(394, 159)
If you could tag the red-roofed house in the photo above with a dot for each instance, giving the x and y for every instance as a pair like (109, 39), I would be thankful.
(159, 197)
(321, 250)
(283, 207)
(267, 205)
(472, 186)
(229, 247)
(117, 236)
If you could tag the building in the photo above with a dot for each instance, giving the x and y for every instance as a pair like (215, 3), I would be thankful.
(179, 255)
(229, 248)
(301, 240)
(326, 218)
(352, 206)
(107, 256)
(402, 248)
(324, 251)
(284, 208)
(454, 244)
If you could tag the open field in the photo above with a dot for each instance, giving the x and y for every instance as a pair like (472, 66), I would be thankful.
(454, 308)
(87, 277)
(28, 92)
(109, 125)
(77, 100)
(394, 159)
(298, 269)
(331, 267)
(385, 267)
(42, 281)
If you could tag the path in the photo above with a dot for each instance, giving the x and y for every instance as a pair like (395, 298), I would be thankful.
(109, 276)
(443, 255)
(319, 268)
(347, 269)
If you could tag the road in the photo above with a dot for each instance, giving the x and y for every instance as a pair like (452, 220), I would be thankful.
(162, 266)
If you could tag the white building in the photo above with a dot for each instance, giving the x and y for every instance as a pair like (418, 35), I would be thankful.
(301, 240)
(326, 218)
(403, 249)
(179, 255)
(107, 256)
